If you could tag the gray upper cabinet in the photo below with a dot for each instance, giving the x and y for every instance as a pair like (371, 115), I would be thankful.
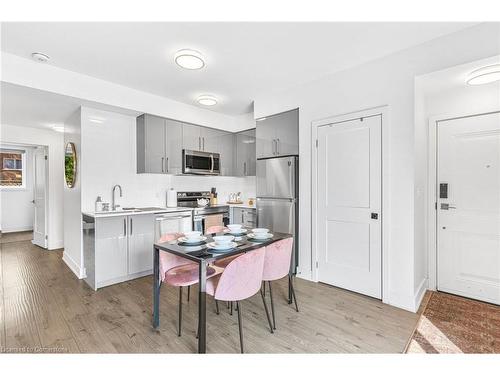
(150, 144)
(245, 153)
(227, 150)
(278, 135)
(191, 137)
(173, 163)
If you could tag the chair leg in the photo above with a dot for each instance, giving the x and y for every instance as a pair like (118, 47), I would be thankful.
(290, 280)
(227, 304)
(272, 305)
(180, 312)
(264, 287)
(189, 291)
(267, 311)
(231, 310)
(217, 307)
(240, 326)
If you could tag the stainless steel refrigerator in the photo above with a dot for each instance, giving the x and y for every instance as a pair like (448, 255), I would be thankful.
(277, 197)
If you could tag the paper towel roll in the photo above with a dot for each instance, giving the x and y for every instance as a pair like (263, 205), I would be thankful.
(171, 198)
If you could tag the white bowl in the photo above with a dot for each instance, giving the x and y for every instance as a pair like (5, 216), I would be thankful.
(192, 235)
(235, 228)
(219, 240)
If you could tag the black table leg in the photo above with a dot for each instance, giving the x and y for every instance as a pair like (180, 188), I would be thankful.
(156, 288)
(289, 288)
(202, 308)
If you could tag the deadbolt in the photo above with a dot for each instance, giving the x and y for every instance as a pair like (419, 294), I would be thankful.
(374, 215)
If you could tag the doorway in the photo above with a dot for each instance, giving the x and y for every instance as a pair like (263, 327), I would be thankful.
(23, 175)
(347, 230)
(468, 206)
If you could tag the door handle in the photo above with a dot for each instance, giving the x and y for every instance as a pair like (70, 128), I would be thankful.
(203, 140)
(162, 169)
(374, 216)
(131, 225)
(199, 143)
(124, 227)
(167, 164)
(446, 206)
(244, 168)
(277, 146)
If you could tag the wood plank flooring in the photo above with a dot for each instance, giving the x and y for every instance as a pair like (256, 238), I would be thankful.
(45, 308)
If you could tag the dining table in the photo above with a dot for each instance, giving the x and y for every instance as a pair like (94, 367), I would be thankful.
(203, 256)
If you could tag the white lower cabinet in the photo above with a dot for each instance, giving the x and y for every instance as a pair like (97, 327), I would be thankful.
(123, 248)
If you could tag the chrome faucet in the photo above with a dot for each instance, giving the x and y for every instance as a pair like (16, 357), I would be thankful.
(113, 205)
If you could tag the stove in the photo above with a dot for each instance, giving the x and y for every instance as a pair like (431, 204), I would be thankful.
(190, 199)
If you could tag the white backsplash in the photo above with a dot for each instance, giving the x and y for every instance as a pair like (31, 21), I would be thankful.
(224, 185)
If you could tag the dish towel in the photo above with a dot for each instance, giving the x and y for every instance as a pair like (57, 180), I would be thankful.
(212, 221)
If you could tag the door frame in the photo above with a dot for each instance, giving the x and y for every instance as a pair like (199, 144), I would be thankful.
(432, 192)
(46, 149)
(384, 112)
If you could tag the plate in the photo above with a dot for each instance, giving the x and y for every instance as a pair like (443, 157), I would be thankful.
(197, 240)
(253, 238)
(212, 246)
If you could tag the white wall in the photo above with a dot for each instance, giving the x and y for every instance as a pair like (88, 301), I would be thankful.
(454, 101)
(26, 72)
(73, 255)
(17, 209)
(55, 143)
(387, 81)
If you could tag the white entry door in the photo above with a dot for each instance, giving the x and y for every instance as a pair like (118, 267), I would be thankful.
(39, 197)
(349, 198)
(468, 207)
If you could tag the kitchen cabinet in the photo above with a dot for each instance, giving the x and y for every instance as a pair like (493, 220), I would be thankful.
(140, 243)
(159, 145)
(245, 160)
(227, 151)
(211, 139)
(244, 216)
(173, 163)
(278, 135)
(117, 248)
(191, 137)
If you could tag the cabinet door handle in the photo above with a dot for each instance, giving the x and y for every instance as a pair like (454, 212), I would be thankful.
(203, 139)
(277, 146)
(162, 169)
(124, 227)
(274, 153)
(244, 168)
(199, 143)
(131, 225)
(167, 165)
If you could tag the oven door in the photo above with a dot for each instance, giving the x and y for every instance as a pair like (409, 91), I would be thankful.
(198, 162)
(199, 221)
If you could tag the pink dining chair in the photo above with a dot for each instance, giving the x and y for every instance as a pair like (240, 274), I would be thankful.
(241, 279)
(276, 266)
(178, 271)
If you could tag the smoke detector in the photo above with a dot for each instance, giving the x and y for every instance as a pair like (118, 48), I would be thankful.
(40, 57)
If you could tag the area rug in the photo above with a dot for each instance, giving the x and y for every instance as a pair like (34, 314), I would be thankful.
(452, 324)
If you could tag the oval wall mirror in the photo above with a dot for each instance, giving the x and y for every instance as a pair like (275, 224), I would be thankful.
(70, 164)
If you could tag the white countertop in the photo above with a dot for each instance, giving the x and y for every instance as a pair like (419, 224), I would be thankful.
(128, 213)
(243, 205)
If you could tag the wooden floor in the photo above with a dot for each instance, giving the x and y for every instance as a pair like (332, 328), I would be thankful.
(45, 308)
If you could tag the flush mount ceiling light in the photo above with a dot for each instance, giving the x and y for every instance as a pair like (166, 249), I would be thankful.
(189, 59)
(58, 128)
(484, 75)
(40, 57)
(207, 100)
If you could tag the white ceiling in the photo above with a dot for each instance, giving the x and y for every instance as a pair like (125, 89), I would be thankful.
(24, 106)
(242, 59)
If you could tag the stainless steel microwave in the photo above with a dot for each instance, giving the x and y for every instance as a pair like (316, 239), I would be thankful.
(199, 162)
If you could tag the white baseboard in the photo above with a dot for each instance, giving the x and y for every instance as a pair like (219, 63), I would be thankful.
(20, 229)
(73, 266)
(422, 288)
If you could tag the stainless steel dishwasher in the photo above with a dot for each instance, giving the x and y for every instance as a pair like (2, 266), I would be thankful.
(172, 222)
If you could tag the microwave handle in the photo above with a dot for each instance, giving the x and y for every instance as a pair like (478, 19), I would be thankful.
(212, 160)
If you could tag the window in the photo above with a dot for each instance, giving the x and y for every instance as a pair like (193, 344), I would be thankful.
(12, 169)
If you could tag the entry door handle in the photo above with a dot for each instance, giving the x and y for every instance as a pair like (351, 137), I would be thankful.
(447, 206)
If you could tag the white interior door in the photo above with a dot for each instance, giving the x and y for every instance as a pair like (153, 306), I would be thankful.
(349, 205)
(40, 197)
(468, 213)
